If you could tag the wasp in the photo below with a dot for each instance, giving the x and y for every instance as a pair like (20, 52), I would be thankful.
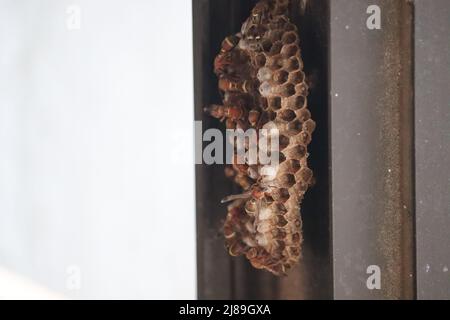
(255, 193)
(244, 86)
(226, 112)
(224, 58)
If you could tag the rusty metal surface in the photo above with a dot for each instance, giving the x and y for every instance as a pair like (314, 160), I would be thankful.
(432, 140)
(371, 149)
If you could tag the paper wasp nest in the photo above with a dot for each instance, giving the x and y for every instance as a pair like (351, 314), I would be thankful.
(260, 74)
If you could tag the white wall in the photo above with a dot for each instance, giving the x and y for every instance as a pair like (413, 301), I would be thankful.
(96, 147)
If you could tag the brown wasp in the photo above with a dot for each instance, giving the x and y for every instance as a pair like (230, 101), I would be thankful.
(234, 113)
(224, 58)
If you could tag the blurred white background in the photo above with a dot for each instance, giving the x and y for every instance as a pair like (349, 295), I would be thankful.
(96, 149)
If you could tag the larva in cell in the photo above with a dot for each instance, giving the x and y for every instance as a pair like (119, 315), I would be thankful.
(260, 72)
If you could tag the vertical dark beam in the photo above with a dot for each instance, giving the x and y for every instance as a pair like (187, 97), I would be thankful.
(432, 142)
(371, 148)
(210, 183)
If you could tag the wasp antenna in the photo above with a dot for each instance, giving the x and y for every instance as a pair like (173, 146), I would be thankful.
(236, 197)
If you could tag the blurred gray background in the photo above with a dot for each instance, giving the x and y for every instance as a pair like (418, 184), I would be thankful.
(96, 149)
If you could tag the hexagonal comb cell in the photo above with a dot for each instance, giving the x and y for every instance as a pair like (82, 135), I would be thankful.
(274, 103)
(289, 38)
(265, 89)
(290, 166)
(297, 102)
(292, 64)
(294, 127)
(288, 90)
(280, 208)
(290, 27)
(286, 115)
(281, 195)
(305, 174)
(304, 138)
(300, 187)
(289, 50)
(297, 76)
(295, 152)
(274, 62)
(283, 142)
(303, 114)
(280, 76)
(301, 89)
(286, 180)
(264, 74)
(309, 126)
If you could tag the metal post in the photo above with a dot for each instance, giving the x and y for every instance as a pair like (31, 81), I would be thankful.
(371, 150)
